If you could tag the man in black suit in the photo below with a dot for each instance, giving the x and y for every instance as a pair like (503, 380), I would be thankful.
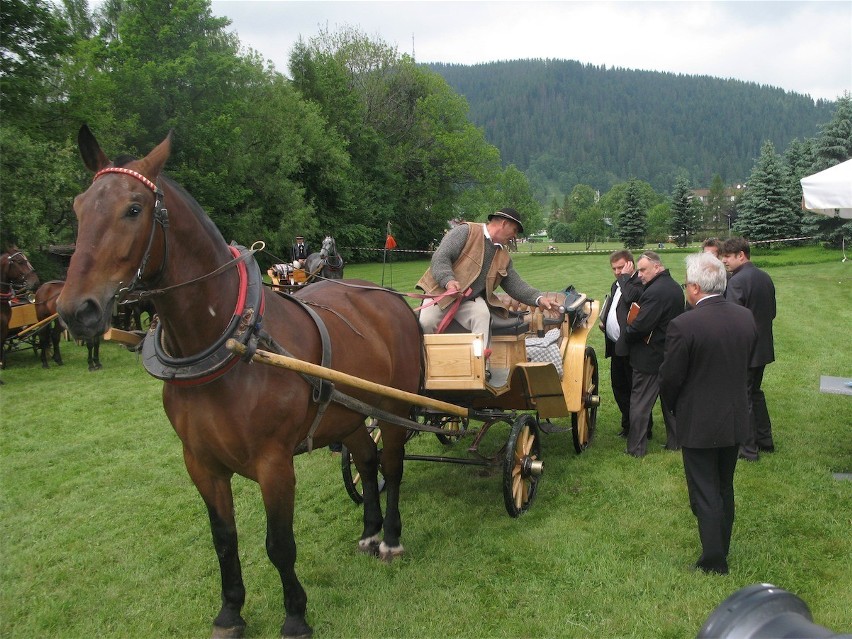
(300, 252)
(704, 380)
(661, 301)
(754, 289)
(626, 288)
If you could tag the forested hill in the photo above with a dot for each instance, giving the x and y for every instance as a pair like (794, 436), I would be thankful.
(563, 122)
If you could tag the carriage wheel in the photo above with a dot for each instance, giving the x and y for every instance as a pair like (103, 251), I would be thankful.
(454, 425)
(522, 465)
(351, 476)
(583, 422)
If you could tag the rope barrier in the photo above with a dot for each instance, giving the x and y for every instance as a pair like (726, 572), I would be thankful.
(559, 251)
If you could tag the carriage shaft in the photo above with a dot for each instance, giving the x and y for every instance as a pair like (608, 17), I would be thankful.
(308, 368)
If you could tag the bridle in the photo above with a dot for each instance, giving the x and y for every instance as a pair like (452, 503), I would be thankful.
(327, 253)
(160, 217)
(18, 285)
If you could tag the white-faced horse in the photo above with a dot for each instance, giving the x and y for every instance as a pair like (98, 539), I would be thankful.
(327, 264)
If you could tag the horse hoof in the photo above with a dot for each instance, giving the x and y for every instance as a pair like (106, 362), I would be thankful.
(296, 628)
(387, 554)
(369, 545)
(233, 632)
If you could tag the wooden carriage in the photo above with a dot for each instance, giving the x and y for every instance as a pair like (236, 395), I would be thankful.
(514, 386)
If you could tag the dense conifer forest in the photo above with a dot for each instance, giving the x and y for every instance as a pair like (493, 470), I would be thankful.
(564, 123)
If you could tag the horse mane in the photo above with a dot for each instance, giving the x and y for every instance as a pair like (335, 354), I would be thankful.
(194, 206)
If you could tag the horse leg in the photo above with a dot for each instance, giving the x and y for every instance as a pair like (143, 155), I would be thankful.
(97, 353)
(366, 458)
(215, 490)
(43, 342)
(393, 438)
(277, 481)
(56, 338)
(94, 347)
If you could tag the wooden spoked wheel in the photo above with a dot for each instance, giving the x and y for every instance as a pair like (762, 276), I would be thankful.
(455, 427)
(351, 476)
(522, 465)
(583, 422)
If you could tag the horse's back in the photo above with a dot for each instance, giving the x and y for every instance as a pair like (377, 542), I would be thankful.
(46, 296)
(374, 334)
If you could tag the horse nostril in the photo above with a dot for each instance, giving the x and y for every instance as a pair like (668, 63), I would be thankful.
(85, 320)
(88, 313)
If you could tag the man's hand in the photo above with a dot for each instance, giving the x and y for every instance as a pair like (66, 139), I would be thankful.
(628, 268)
(545, 303)
(453, 286)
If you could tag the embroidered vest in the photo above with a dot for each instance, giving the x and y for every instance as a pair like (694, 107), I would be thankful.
(467, 268)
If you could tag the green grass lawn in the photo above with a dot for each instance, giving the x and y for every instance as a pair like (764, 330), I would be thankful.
(105, 536)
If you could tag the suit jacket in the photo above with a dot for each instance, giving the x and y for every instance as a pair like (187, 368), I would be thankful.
(631, 291)
(661, 301)
(300, 252)
(704, 376)
(753, 288)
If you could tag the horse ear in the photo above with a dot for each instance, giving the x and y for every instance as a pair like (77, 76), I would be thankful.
(153, 163)
(90, 150)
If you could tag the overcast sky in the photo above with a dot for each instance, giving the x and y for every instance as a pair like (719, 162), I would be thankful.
(804, 47)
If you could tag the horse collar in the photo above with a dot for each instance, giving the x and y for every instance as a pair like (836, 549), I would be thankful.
(216, 360)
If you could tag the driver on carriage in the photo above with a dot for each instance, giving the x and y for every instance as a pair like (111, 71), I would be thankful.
(300, 252)
(473, 257)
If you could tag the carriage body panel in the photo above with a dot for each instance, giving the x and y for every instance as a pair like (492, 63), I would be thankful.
(23, 315)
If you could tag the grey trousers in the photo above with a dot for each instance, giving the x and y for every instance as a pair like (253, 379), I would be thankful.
(643, 395)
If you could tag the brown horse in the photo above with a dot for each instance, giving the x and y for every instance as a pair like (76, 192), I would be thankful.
(233, 416)
(17, 277)
(51, 333)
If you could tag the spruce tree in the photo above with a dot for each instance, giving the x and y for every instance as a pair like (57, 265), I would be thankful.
(716, 209)
(833, 146)
(633, 221)
(834, 143)
(684, 215)
(766, 211)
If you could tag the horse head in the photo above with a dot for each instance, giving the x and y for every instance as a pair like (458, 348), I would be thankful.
(118, 216)
(16, 273)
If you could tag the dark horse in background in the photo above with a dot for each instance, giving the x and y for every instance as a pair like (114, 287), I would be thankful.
(51, 333)
(327, 264)
(17, 278)
(138, 229)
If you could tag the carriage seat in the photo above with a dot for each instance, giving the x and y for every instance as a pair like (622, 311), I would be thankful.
(518, 321)
(520, 315)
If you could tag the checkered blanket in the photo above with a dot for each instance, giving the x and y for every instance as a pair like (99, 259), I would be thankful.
(546, 349)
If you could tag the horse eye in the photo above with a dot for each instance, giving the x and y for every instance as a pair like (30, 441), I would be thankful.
(134, 210)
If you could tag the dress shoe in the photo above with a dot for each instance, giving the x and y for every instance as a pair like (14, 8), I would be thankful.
(708, 571)
(623, 434)
(667, 447)
(767, 449)
(629, 454)
(748, 459)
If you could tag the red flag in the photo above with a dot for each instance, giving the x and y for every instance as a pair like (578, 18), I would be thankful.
(390, 243)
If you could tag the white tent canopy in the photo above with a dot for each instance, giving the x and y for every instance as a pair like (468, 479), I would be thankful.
(829, 192)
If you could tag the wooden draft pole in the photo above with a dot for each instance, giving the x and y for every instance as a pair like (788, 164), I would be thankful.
(339, 377)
